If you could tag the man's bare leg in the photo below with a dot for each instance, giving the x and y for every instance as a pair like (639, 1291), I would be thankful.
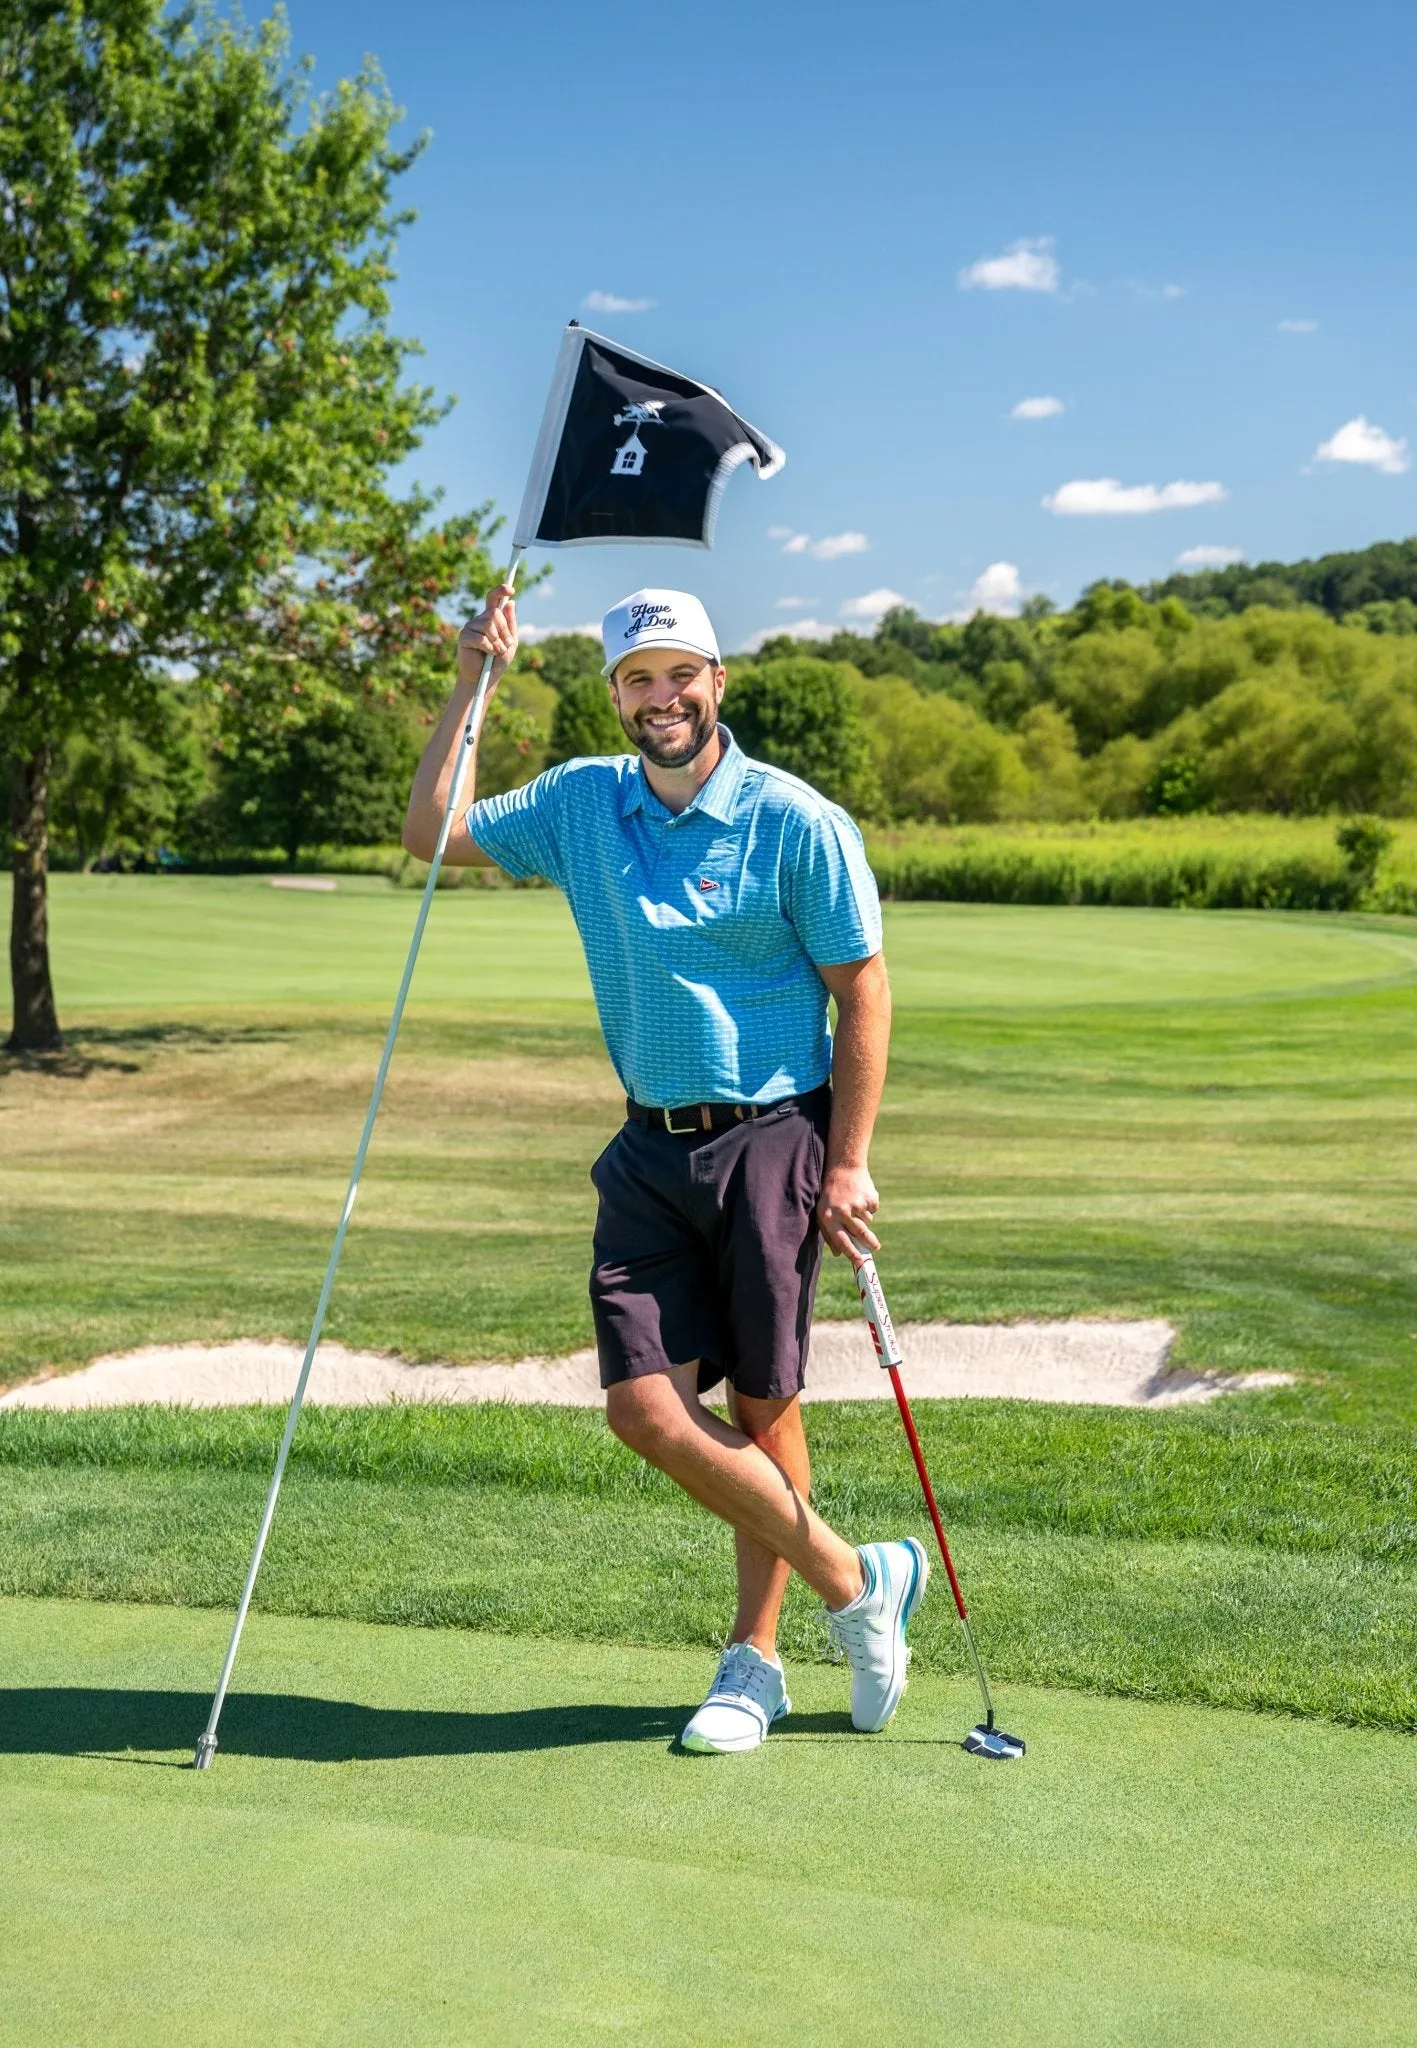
(661, 1417)
(775, 1427)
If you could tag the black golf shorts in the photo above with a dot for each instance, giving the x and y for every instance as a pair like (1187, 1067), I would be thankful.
(707, 1247)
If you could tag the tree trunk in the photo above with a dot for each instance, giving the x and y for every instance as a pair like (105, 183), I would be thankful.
(35, 1025)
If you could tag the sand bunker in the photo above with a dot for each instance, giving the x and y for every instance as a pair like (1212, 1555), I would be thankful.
(1122, 1365)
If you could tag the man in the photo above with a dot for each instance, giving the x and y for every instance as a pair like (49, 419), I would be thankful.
(720, 903)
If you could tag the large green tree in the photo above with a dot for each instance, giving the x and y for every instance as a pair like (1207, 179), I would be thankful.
(803, 715)
(200, 401)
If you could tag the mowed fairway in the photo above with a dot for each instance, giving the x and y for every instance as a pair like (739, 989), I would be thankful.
(476, 1827)
(1208, 1116)
(429, 1837)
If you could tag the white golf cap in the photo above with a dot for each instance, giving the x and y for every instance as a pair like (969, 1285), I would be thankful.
(656, 618)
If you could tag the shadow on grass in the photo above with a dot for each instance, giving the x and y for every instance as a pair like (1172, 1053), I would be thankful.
(100, 1048)
(88, 1720)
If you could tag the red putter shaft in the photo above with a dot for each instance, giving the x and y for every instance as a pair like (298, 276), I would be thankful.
(927, 1489)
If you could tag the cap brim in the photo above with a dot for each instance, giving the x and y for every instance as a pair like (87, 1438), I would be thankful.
(664, 640)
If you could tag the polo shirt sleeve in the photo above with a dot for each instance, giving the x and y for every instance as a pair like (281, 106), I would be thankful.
(831, 895)
(523, 830)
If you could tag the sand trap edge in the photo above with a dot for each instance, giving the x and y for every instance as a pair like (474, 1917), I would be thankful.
(1082, 1362)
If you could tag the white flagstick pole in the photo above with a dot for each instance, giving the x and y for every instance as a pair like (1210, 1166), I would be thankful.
(207, 1742)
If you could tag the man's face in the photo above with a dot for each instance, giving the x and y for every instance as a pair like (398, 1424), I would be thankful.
(668, 703)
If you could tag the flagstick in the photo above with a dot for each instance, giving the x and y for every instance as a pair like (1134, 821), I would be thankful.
(207, 1742)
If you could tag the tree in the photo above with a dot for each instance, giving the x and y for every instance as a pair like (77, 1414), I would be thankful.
(804, 715)
(566, 658)
(938, 759)
(1339, 584)
(1048, 748)
(135, 787)
(585, 722)
(200, 401)
(340, 779)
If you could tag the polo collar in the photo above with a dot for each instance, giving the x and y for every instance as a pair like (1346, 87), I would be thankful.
(717, 799)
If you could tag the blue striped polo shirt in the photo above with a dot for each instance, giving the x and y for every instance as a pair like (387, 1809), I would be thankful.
(702, 930)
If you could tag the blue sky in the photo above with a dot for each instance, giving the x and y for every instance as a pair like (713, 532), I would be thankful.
(879, 229)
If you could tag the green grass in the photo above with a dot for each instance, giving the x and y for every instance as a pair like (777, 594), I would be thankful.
(1228, 1474)
(433, 1832)
(443, 1837)
(1330, 1632)
(161, 944)
(1093, 1111)
(1089, 1111)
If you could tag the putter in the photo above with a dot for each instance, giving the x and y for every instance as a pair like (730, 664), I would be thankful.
(985, 1739)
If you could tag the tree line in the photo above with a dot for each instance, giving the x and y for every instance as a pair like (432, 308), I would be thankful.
(1118, 707)
(225, 625)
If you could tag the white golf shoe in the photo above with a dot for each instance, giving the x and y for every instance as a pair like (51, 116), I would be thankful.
(871, 1631)
(748, 1694)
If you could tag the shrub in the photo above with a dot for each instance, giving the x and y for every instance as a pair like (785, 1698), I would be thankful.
(804, 715)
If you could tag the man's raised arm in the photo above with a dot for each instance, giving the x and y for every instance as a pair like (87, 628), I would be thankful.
(494, 632)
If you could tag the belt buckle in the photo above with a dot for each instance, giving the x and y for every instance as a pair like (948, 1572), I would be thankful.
(673, 1128)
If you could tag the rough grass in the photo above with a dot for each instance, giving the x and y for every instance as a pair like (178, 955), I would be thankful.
(1328, 1635)
(1230, 1475)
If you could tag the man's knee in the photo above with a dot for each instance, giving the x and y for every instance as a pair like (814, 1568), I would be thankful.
(646, 1416)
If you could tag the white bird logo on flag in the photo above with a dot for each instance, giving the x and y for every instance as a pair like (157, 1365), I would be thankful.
(630, 455)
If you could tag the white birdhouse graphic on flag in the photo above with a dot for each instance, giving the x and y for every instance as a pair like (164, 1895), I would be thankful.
(630, 455)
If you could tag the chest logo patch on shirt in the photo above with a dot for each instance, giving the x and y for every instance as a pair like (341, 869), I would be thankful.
(707, 882)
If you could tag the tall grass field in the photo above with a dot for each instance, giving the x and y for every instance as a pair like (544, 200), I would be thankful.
(1230, 862)
(1191, 863)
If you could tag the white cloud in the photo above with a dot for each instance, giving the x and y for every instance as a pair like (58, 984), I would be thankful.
(1089, 496)
(830, 548)
(1298, 326)
(998, 589)
(1207, 557)
(1037, 409)
(800, 629)
(1173, 291)
(793, 604)
(1025, 266)
(534, 634)
(607, 302)
(1358, 441)
(873, 604)
(837, 544)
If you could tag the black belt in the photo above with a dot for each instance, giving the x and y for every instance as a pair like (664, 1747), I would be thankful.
(692, 1119)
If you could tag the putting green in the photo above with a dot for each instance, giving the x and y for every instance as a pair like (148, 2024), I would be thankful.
(424, 1836)
(173, 940)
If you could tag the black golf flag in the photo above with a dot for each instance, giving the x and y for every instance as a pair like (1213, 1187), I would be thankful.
(631, 451)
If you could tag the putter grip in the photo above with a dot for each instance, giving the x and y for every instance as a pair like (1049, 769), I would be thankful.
(873, 1300)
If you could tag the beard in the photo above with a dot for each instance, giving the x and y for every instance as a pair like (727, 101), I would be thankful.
(677, 753)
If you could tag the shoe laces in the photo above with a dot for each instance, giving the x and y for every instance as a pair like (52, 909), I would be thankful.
(847, 1632)
(743, 1676)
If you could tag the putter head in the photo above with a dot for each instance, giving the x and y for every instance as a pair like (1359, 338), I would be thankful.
(993, 1743)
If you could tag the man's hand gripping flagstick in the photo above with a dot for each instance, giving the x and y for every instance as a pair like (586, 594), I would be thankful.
(985, 1739)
